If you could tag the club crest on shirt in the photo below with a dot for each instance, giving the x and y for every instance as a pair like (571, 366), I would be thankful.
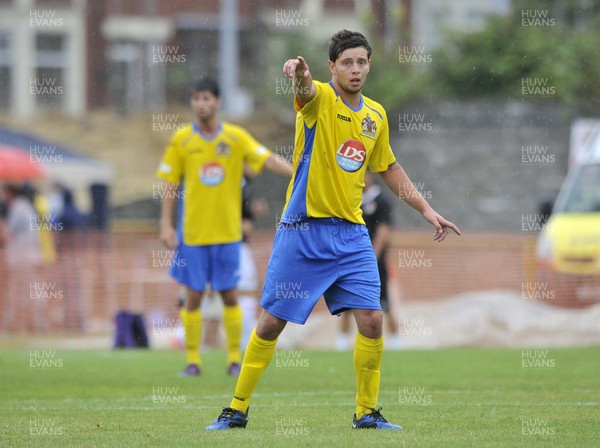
(223, 149)
(369, 127)
(212, 174)
(351, 155)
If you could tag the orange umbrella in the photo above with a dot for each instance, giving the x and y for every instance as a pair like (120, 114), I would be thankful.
(17, 166)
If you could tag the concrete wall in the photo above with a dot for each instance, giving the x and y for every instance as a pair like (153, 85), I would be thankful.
(483, 164)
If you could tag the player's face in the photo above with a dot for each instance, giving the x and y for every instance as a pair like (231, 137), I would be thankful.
(205, 105)
(351, 69)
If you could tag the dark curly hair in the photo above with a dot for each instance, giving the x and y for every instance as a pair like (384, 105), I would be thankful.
(342, 40)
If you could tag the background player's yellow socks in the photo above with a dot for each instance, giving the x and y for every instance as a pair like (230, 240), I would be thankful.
(232, 321)
(367, 363)
(257, 357)
(192, 325)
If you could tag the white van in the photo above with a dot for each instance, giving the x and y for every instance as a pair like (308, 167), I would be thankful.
(568, 248)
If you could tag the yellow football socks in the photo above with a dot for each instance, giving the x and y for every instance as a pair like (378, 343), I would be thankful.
(192, 325)
(232, 321)
(367, 363)
(257, 357)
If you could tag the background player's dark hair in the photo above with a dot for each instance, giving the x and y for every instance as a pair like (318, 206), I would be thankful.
(207, 84)
(342, 40)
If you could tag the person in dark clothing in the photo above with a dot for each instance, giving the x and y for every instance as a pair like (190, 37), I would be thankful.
(71, 218)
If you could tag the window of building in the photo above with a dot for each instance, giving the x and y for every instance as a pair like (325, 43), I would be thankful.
(48, 85)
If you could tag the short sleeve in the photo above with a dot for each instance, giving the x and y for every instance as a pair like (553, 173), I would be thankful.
(255, 154)
(382, 156)
(171, 166)
(310, 110)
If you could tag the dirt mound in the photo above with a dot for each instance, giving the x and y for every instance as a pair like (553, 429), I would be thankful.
(477, 319)
(497, 319)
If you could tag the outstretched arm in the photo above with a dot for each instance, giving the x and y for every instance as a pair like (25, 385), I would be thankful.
(398, 181)
(303, 87)
(279, 165)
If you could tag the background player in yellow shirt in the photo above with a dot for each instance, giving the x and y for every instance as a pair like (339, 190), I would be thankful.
(207, 158)
(322, 246)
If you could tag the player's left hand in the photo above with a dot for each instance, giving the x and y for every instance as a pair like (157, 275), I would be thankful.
(441, 225)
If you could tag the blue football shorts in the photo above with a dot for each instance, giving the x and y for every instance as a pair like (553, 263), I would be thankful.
(328, 257)
(216, 264)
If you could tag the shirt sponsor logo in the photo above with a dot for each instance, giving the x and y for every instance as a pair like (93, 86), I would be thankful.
(351, 155)
(212, 174)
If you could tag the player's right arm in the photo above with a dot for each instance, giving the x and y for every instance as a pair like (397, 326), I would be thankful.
(170, 171)
(400, 184)
(168, 235)
(303, 87)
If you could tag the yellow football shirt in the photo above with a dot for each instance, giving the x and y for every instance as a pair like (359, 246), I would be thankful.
(334, 145)
(211, 170)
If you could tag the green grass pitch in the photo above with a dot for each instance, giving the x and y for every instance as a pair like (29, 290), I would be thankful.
(450, 397)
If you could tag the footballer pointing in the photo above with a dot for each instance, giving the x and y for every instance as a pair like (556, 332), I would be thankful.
(339, 133)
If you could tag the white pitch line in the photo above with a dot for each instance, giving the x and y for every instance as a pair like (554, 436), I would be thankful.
(352, 392)
(175, 407)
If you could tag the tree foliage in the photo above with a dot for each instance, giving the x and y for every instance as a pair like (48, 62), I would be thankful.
(496, 60)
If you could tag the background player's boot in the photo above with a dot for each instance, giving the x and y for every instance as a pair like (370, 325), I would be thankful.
(234, 369)
(229, 419)
(373, 420)
(191, 370)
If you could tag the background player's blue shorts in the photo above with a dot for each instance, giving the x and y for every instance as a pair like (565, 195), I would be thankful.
(217, 264)
(330, 257)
